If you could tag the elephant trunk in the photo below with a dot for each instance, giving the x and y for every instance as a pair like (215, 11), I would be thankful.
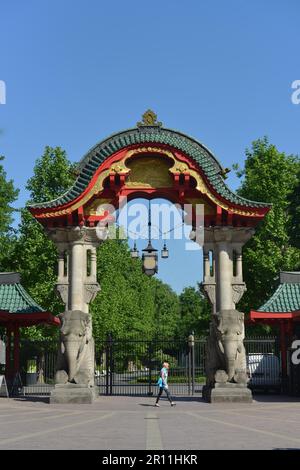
(71, 352)
(230, 351)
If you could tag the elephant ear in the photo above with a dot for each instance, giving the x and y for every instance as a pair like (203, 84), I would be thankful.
(88, 324)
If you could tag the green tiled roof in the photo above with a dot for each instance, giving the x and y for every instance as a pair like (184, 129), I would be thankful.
(285, 299)
(150, 135)
(13, 296)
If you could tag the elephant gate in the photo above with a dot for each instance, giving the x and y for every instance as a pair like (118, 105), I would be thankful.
(151, 161)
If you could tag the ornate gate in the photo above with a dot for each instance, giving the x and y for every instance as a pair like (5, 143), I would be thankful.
(131, 367)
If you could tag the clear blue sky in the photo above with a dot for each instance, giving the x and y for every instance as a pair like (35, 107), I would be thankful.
(77, 71)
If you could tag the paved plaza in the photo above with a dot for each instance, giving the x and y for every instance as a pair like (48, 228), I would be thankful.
(270, 422)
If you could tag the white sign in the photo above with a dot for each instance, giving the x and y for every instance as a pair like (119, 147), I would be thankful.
(3, 387)
(2, 352)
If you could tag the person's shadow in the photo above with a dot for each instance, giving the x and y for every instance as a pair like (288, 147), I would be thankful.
(147, 404)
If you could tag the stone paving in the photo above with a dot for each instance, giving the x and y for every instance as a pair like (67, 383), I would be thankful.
(270, 422)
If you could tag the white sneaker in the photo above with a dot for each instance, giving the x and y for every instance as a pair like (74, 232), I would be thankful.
(156, 404)
(173, 403)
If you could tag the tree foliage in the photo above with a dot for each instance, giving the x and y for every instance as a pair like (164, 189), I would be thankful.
(53, 174)
(8, 195)
(130, 304)
(268, 176)
(195, 313)
(294, 212)
(34, 254)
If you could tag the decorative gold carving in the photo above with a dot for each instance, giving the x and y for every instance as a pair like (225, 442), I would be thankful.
(119, 168)
(149, 118)
(208, 210)
(94, 207)
(149, 172)
(138, 150)
(148, 176)
(180, 168)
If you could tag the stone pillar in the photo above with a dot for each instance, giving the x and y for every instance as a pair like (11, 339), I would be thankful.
(206, 263)
(61, 264)
(223, 241)
(239, 263)
(224, 274)
(93, 264)
(238, 285)
(226, 375)
(209, 279)
(62, 285)
(77, 277)
(76, 288)
(75, 363)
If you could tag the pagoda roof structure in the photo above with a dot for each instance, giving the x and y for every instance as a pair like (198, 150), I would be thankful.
(17, 306)
(285, 301)
(114, 166)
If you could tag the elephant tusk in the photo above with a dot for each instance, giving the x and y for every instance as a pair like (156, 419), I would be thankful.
(221, 346)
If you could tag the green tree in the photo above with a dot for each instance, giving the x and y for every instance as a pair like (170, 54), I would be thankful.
(130, 304)
(35, 256)
(166, 310)
(294, 209)
(8, 195)
(268, 176)
(194, 313)
(53, 174)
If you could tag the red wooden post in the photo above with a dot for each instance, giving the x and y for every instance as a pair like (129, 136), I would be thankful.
(283, 348)
(8, 352)
(16, 366)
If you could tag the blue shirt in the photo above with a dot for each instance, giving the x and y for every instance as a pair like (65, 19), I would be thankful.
(164, 375)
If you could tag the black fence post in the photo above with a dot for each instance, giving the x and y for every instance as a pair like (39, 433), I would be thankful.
(106, 364)
(108, 360)
(150, 350)
(111, 364)
(189, 369)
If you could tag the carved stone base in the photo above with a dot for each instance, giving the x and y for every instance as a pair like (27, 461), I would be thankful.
(72, 393)
(227, 392)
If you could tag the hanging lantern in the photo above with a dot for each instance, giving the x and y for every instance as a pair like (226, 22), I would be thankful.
(134, 252)
(165, 252)
(149, 258)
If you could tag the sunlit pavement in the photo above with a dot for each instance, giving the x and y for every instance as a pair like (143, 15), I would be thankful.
(270, 422)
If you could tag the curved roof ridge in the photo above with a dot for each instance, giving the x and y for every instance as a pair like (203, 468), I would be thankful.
(286, 298)
(200, 154)
(27, 298)
(15, 299)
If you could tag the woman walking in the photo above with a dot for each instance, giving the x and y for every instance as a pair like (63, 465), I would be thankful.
(163, 384)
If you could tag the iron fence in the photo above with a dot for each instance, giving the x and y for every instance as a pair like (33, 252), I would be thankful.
(37, 368)
(131, 366)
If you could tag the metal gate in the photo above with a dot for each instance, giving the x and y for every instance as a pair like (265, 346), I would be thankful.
(131, 367)
(37, 367)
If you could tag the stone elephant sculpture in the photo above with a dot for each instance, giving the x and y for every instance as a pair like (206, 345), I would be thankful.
(76, 355)
(226, 355)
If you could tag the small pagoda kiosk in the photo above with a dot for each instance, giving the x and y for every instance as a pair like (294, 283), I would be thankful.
(18, 309)
(282, 310)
